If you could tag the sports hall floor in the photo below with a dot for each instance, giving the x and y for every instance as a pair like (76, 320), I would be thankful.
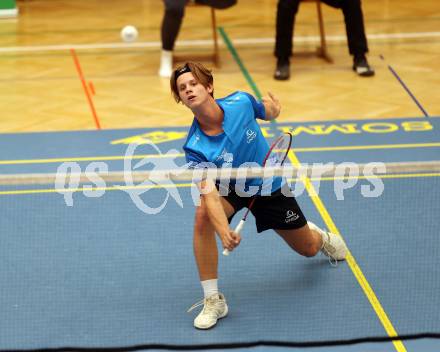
(101, 273)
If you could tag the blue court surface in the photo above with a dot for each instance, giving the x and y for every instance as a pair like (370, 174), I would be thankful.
(98, 272)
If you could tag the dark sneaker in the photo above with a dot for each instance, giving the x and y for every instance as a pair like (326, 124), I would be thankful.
(361, 67)
(282, 72)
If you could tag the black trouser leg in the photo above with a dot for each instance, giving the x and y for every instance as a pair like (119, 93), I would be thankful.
(171, 23)
(354, 26)
(286, 12)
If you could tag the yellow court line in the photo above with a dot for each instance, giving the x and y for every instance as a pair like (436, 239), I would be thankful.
(177, 155)
(372, 298)
(178, 185)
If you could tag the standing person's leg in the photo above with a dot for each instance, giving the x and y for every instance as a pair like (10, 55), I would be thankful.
(357, 40)
(286, 12)
(171, 22)
(206, 255)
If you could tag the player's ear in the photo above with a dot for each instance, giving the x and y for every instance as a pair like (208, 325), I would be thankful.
(210, 88)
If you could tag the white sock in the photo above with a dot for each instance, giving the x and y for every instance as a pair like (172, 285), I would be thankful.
(210, 287)
(166, 63)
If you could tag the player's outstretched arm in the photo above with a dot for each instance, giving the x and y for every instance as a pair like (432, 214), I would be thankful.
(217, 215)
(272, 106)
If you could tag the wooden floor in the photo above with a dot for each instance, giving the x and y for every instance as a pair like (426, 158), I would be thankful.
(41, 87)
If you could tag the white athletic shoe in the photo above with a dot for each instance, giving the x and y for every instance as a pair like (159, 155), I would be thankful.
(333, 246)
(214, 308)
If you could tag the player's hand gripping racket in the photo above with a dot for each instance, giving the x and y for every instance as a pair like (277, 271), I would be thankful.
(276, 156)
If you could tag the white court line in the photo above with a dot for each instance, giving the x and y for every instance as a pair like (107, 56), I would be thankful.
(195, 43)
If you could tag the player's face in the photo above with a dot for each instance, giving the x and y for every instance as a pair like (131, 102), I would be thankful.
(191, 92)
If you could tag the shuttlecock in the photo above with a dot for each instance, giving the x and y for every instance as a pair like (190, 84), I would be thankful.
(129, 34)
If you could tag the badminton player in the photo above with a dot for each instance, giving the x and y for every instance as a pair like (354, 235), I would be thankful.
(225, 131)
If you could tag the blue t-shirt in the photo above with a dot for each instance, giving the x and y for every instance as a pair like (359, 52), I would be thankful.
(241, 141)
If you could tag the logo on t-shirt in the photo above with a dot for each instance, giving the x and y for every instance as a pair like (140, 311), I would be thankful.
(250, 135)
(225, 156)
(196, 139)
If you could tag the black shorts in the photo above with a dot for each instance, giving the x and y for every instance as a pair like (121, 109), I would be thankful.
(277, 211)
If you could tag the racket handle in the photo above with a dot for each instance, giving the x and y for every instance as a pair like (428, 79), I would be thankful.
(240, 226)
(237, 230)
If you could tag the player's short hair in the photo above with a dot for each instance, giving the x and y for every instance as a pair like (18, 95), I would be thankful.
(200, 73)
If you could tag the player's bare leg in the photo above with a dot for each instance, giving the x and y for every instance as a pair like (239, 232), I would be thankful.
(303, 240)
(206, 254)
(205, 245)
(310, 239)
